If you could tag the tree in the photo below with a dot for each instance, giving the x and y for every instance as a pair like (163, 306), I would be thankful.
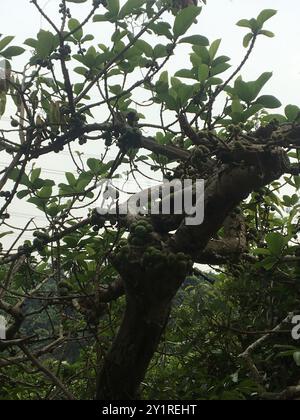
(67, 284)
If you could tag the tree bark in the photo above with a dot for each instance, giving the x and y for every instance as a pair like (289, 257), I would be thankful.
(127, 362)
(151, 278)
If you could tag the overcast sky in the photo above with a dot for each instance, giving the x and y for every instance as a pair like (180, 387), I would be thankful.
(280, 54)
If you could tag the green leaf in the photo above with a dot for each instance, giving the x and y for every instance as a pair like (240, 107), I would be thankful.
(255, 26)
(202, 53)
(88, 37)
(236, 106)
(31, 42)
(269, 34)
(5, 233)
(292, 112)
(22, 194)
(78, 87)
(35, 174)
(162, 29)
(268, 101)
(5, 41)
(184, 20)
(214, 81)
(71, 179)
(243, 90)
(244, 23)
(252, 110)
(261, 251)
(160, 51)
(257, 85)
(53, 210)
(219, 60)
(278, 117)
(265, 15)
(130, 7)
(195, 40)
(45, 192)
(12, 52)
(185, 73)
(175, 83)
(269, 262)
(144, 47)
(184, 93)
(15, 175)
(84, 180)
(95, 166)
(290, 201)
(46, 43)
(247, 39)
(73, 24)
(80, 70)
(220, 68)
(114, 7)
(164, 77)
(203, 72)
(276, 243)
(214, 48)
(296, 357)
(100, 18)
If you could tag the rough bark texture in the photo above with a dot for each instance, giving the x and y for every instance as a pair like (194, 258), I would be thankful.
(126, 364)
(225, 191)
(151, 282)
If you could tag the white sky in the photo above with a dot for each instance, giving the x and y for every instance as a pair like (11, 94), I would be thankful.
(280, 54)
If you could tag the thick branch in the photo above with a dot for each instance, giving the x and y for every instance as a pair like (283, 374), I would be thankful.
(223, 193)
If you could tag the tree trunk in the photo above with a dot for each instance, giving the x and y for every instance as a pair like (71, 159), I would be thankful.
(151, 278)
(127, 362)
